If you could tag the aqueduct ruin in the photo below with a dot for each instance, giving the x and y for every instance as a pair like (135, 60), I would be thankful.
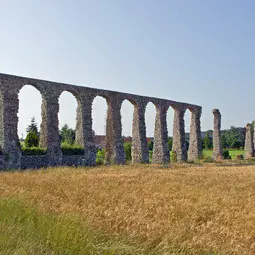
(49, 134)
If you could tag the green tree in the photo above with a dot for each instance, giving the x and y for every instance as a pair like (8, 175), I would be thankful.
(207, 143)
(32, 139)
(32, 127)
(67, 135)
(170, 143)
(224, 141)
(127, 149)
(150, 145)
(235, 137)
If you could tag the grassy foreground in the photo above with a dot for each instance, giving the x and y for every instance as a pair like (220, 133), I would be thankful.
(145, 209)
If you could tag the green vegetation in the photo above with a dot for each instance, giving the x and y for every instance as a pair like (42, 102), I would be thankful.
(100, 157)
(32, 127)
(207, 142)
(173, 156)
(150, 145)
(232, 153)
(233, 138)
(67, 135)
(24, 230)
(31, 151)
(32, 139)
(127, 150)
(68, 149)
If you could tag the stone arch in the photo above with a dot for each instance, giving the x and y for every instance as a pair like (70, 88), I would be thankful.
(36, 86)
(50, 91)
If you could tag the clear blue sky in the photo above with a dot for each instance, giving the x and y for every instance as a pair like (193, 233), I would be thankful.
(195, 51)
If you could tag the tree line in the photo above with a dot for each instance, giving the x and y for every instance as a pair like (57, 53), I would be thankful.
(66, 134)
(233, 138)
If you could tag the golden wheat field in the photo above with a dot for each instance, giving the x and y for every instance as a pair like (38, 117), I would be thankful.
(180, 209)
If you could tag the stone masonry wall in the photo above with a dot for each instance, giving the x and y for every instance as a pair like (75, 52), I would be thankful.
(249, 146)
(195, 143)
(179, 145)
(217, 145)
(49, 135)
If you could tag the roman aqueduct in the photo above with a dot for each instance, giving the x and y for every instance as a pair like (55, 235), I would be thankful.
(49, 134)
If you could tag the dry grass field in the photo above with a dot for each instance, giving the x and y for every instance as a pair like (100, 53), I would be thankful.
(145, 209)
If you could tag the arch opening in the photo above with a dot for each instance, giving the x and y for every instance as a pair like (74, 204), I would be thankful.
(29, 117)
(127, 112)
(170, 127)
(67, 119)
(99, 115)
(187, 122)
(150, 116)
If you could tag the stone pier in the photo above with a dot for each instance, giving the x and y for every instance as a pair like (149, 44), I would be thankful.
(49, 128)
(249, 146)
(140, 151)
(160, 149)
(179, 145)
(217, 145)
(114, 149)
(195, 143)
(84, 132)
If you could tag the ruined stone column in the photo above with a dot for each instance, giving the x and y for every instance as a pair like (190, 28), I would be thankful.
(140, 151)
(217, 146)
(79, 136)
(195, 143)
(160, 148)
(114, 150)
(249, 146)
(49, 133)
(253, 136)
(9, 140)
(84, 131)
(179, 145)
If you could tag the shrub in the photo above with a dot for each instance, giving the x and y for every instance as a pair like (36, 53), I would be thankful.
(239, 156)
(174, 156)
(68, 149)
(150, 145)
(100, 157)
(32, 139)
(150, 155)
(127, 149)
(29, 151)
(225, 154)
